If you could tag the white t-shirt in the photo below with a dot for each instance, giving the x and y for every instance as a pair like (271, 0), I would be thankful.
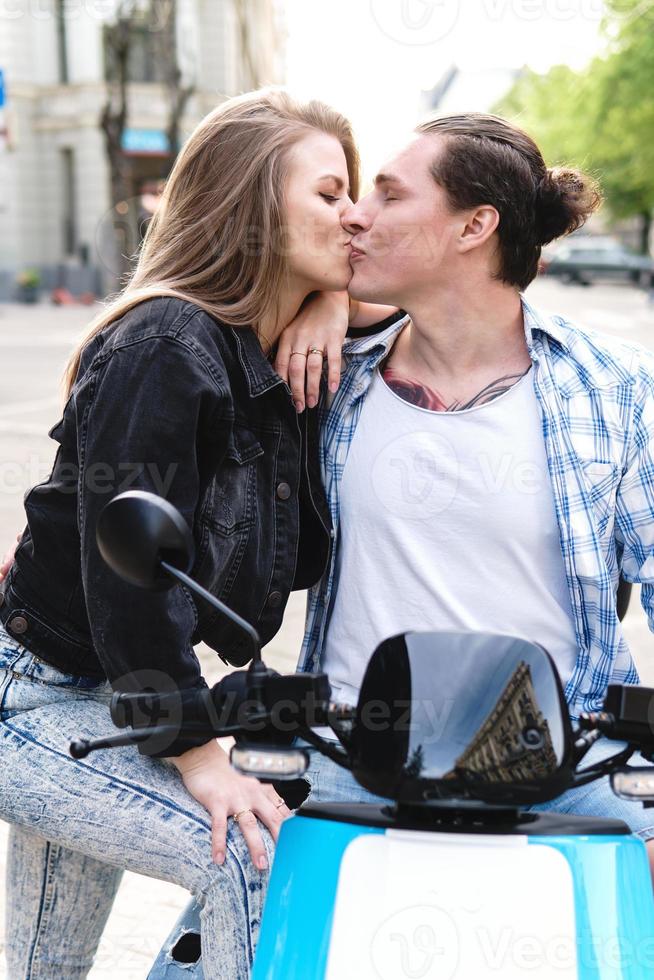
(447, 523)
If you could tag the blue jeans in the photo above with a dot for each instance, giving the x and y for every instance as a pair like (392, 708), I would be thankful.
(75, 825)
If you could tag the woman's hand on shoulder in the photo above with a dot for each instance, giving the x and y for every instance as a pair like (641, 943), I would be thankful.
(321, 323)
(209, 778)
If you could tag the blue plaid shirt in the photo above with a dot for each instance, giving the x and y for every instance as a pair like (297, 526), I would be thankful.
(596, 395)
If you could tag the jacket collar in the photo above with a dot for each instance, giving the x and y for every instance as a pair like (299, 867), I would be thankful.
(259, 372)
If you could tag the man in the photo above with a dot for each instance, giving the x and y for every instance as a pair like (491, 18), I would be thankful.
(488, 467)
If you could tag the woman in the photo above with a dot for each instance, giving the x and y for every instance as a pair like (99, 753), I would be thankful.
(173, 390)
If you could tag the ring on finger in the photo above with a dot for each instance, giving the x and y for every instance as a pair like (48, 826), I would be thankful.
(316, 350)
(236, 816)
(299, 352)
(281, 803)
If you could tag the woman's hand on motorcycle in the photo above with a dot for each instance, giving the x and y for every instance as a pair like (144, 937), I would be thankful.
(8, 559)
(208, 776)
(321, 324)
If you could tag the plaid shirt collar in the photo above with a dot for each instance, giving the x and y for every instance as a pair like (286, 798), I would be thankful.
(380, 344)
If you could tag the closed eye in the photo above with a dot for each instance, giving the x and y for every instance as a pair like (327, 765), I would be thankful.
(330, 197)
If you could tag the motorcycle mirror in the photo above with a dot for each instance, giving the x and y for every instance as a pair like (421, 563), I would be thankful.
(146, 541)
(477, 716)
(268, 762)
(138, 530)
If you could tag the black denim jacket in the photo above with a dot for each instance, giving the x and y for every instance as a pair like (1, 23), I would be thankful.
(170, 400)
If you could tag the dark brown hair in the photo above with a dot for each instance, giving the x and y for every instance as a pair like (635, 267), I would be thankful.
(486, 160)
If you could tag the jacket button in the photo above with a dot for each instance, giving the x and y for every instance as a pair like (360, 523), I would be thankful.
(283, 491)
(274, 600)
(18, 624)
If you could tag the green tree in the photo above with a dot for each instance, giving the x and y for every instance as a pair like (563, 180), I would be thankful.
(601, 118)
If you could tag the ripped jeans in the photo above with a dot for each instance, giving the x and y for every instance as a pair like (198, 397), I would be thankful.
(76, 824)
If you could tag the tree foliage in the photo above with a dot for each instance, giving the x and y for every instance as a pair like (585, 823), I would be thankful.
(600, 118)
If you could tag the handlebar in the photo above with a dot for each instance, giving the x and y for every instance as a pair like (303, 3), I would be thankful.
(258, 703)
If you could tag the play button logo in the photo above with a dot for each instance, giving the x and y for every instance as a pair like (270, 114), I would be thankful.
(415, 22)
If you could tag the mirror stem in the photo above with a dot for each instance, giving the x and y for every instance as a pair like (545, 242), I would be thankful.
(217, 604)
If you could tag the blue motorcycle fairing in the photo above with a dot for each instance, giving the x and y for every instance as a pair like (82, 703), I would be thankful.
(613, 901)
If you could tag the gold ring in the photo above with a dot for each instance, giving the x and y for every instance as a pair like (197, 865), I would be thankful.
(316, 350)
(298, 352)
(281, 803)
(240, 814)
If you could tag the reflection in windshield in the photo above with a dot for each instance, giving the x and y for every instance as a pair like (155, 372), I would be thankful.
(514, 744)
(484, 709)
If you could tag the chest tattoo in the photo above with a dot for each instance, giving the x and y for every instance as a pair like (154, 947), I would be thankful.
(417, 393)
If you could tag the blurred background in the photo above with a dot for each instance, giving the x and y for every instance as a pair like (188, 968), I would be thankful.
(97, 96)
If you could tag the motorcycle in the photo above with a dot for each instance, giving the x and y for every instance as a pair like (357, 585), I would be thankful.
(452, 879)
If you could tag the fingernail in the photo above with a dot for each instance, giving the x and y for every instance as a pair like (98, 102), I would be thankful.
(311, 401)
(219, 858)
(262, 864)
(333, 386)
(299, 407)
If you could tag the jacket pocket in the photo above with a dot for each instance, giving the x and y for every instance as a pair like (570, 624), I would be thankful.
(230, 501)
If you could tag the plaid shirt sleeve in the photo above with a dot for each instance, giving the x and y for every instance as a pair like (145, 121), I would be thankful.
(634, 514)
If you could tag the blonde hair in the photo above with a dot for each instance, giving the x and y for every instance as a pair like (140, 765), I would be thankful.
(226, 184)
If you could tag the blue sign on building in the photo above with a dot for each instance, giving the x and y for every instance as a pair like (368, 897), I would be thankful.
(153, 141)
(2, 88)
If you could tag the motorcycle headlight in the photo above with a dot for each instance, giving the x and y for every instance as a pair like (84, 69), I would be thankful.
(633, 783)
(269, 763)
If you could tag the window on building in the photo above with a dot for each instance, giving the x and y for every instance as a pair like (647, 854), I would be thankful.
(144, 61)
(69, 201)
(62, 50)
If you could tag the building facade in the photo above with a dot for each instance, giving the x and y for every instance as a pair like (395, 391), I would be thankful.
(56, 208)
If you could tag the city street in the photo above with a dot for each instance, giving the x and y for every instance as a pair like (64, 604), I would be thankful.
(35, 342)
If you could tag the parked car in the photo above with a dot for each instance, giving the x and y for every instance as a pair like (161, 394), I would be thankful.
(588, 258)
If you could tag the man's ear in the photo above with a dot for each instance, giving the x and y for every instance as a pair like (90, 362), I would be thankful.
(480, 225)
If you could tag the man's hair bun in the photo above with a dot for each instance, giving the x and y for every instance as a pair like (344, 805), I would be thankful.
(564, 200)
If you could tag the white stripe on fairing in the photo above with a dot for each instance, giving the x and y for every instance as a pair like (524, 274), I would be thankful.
(427, 837)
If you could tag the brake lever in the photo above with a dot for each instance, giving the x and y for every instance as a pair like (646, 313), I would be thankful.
(326, 748)
(603, 768)
(79, 748)
(584, 740)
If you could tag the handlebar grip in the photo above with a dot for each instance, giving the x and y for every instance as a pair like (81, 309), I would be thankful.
(196, 705)
(144, 708)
